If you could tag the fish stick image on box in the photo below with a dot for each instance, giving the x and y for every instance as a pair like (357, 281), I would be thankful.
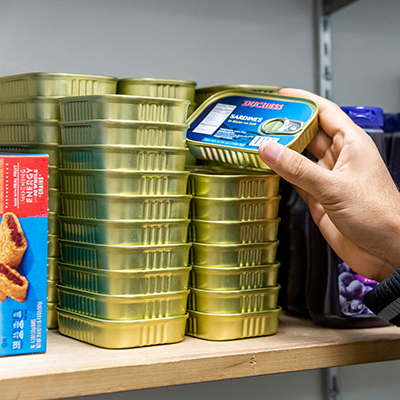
(12, 284)
(12, 240)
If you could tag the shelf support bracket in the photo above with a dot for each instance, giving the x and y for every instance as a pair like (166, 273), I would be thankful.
(331, 383)
(323, 51)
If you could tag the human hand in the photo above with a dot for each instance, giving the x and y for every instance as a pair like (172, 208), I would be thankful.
(350, 193)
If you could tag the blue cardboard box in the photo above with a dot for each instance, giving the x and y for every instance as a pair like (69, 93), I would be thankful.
(23, 253)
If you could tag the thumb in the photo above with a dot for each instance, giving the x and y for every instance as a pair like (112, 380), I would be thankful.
(296, 169)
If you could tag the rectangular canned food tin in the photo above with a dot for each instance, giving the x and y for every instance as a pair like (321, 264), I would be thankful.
(204, 93)
(191, 108)
(134, 108)
(248, 209)
(54, 226)
(233, 301)
(123, 182)
(231, 232)
(232, 326)
(52, 296)
(215, 184)
(54, 201)
(39, 107)
(233, 255)
(148, 257)
(121, 334)
(125, 282)
(124, 232)
(52, 269)
(54, 178)
(169, 88)
(239, 278)
(126, 307)
(53, 247)
(34, 148)
(52, 322)
(55, 84)
(109, 206)
(29, 131)
(230, 126)
(123, 158)
(114, 132)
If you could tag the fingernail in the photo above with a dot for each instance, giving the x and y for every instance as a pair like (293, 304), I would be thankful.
(271, 151)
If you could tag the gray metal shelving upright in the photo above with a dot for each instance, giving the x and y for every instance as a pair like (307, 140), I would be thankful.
(323, 26)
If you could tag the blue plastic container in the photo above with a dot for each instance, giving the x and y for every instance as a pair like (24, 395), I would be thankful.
(372, 121)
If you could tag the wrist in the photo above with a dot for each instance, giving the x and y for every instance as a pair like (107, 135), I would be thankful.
(392, 249)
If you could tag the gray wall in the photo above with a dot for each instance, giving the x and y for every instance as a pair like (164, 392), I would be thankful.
(216, 42)
(366, 55)
(212, 42)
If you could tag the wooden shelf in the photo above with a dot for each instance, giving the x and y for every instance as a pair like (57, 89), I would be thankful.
(71, 368)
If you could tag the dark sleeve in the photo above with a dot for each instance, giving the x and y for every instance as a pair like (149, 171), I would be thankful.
(384, 299)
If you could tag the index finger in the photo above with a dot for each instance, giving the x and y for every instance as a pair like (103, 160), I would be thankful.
(331, 118)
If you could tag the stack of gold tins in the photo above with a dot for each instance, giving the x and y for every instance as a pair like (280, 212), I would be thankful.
(233, 229)
(29, 115)
(165, 88)
(124, 270)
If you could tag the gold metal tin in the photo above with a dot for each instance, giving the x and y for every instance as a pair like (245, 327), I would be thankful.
(126, 307)
(191, 108)
(108, 206)
(134, 108)
(54, 178)
(39, 107)
(100, 256)
(125, 282)
(233, 301)
(52, 322)
(123, 158)
(190, 161)
(204, 93)
(34, 148)
(39, 132)
(231, 232)
(114, 132)
(215, 184)
(123, 182)
(232, 326)
(121, 334)
(54, 226)
(239, 278)
(53, 273)
(124, 232)
(247, 209)
(233, 255)
(54, 201)
(52, 296)
(243, 156)
(55, 84)
(169, 88)
(53, 247)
